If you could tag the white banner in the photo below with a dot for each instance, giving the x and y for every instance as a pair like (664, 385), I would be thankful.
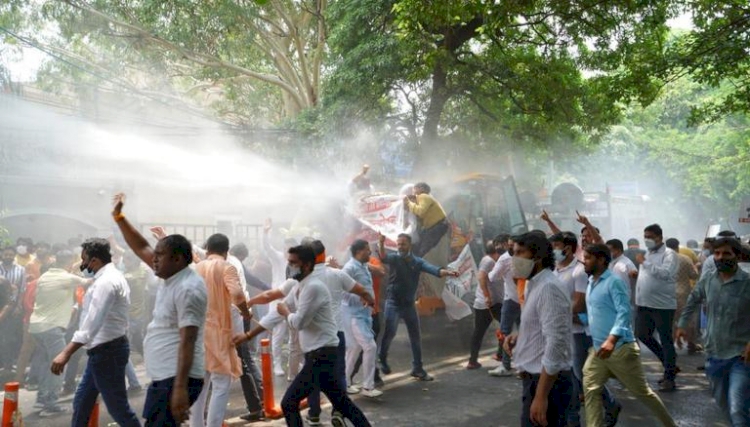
(457, 287)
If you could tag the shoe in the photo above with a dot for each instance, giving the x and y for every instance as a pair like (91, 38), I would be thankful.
(422, 376)
(371, 393)
(53, 411)
(352, 389)
(500, 371)
(379, 383)
(473, 365)
(32, 387)
(278, 372)
(337, 420)
(384, 368)
(252, 417)
(134, 390)
(667, 386)
(39, 406)
(695, 348)
(701, 367)
(610, 419)
(313, 421)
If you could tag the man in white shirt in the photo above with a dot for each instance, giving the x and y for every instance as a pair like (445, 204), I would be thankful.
(622, 267)
(510, 314)
(656, 301)
(103, 332)
(316, 323)
(541, 348)
(173, 345)
(488, 303)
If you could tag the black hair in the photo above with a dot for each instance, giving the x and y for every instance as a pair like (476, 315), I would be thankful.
(633, 242)
(424, 186)
(64, 258)
(726, 233)
(217, 244)
(566, 238)
(240, 251)
(405, 236)
(597, 250)
(489, 248)
(616, 244)
(357, 246)
(654, 228)
(595, 228)
(732, 242)
(692, 244)
(9, 248)
(501, 239)
(537, 243)
(673, 244)
(96, 247)
(317, 247)
(179, 245)
(305, 253)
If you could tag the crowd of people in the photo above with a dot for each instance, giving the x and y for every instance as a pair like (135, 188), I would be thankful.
(571, 310)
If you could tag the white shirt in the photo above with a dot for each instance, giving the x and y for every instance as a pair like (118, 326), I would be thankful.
(621, 267)
(314, 318)
(574, 279)
(503, 271)
(656, 286)
(337, 283)
(494, 287)
(106, 307)
(181, 301)
(278, 262)
(273, 318)
(237, 264)
(544, 335)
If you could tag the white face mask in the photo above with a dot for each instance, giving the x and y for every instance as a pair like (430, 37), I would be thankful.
(22, 250)
(650, 243)
(559, 255)
(294, 271)
(522, 267)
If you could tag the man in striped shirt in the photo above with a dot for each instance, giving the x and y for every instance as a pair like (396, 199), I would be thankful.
(12, 328)
(542, 345)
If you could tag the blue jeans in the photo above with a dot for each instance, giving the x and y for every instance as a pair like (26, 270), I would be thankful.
(105, 374)
(393, 313)
(48, 345)
(320, 372)
(510, 315)
(730, 386)
(156, 409)
(339, 370)
(581, 345)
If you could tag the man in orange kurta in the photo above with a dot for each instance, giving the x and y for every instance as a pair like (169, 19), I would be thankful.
(223, 321)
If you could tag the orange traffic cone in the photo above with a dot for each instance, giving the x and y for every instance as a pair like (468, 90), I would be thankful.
(11, 414)
(269, 405)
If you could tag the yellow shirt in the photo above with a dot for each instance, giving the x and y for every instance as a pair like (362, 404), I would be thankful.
(689, 253)
(54, 300)
(427, 209)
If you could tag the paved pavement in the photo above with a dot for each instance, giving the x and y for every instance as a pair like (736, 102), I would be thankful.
(459, 397)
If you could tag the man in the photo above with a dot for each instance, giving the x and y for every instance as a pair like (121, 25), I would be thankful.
(360, 184)
(47, 326)
(357, 319)
(656, 301)
(173, 347)
(401, 294)
(24, 251)
(430, 215)
(614, 352)
(222, 362)
(622, 267)
(726, 296)
(572, 275)
(488, 302)
(42, 261)
(339, 284)
(511, 309)
(684, 280)
(11, 335)
(103, 332)
(315, 321)
(633, 250)
(541, 348)
(709, 267)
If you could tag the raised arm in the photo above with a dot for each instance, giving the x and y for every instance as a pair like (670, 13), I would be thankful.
(552, 226)
(135, 240)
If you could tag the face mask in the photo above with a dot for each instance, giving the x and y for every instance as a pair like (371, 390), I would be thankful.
(559, 255)
(725, 265)
(21, 250)
(650, 243)
(87, 271)
(294, 272)
(706, 252)
(522, 267)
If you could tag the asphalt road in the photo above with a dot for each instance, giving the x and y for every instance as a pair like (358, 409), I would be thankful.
(458, 397)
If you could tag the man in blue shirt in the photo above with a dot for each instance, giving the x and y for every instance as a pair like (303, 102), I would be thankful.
(401, 294)
(615, 352)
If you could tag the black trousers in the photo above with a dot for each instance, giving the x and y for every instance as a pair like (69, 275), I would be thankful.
(650, 320)
(430, 237)
(482, 320)
(558, 399)
(320, 370)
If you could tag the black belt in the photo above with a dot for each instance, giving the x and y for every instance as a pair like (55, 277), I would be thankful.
(321, 351)
(108, 345)
(529, 376)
